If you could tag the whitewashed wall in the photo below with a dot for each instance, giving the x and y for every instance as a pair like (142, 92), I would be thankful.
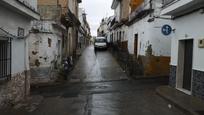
(149, 33)
(125, 30)
(32, 3)
(38, 42)
(189, 27)
(117, 12)
(10, 21)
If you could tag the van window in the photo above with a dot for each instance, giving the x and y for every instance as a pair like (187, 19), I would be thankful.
(100, 40)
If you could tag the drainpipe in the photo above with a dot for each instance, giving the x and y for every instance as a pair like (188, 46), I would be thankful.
(150, 2)
(25, 67)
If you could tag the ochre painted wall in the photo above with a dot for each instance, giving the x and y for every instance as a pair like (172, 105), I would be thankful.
(155, 65)
(135, 3)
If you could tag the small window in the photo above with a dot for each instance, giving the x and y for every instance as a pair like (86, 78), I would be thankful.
(49, 42)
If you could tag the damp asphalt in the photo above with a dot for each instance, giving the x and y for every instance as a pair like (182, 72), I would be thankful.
(102, 88)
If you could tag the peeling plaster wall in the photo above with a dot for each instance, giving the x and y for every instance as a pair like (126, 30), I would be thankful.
(149, 33)
(39, 49)
(45, 51)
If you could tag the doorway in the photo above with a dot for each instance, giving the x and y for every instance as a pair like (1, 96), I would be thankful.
(185, 64)
(136, 44)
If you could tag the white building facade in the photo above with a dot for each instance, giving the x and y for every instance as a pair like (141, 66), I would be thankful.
(187, 52)
(145, 38)
(84, 30)
(119, 29)
(15, 24)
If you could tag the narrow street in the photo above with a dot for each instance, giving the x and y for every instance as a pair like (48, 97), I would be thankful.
(101, 57)
(103, 90)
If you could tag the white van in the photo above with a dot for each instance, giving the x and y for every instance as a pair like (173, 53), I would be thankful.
(100, 43)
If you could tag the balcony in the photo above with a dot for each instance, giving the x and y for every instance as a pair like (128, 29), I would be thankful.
(22, 7)
(69, 19)
(179, 7)
(134, 4)
(140, 12)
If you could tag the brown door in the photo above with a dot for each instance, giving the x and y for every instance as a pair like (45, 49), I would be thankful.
(188, 57)
(135, 44)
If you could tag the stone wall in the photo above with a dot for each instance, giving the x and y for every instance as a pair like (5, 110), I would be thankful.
(43, 75)
(15, 90)
(172, 77)
(198, 84)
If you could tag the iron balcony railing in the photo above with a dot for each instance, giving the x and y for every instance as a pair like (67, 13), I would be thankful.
(144, 6)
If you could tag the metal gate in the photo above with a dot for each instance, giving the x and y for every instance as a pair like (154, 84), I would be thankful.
(5, 59)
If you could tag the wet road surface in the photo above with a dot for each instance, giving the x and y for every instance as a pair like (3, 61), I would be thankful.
(103, 90)
(97, 66)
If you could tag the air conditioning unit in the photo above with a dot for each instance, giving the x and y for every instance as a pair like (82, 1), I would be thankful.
(201, 43)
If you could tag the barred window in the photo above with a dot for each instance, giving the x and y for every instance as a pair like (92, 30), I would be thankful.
(5, 60)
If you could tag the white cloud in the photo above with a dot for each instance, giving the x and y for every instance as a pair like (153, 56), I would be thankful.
(96, 10)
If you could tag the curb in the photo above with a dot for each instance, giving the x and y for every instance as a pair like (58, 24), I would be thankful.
(187, 111)
(44, 85)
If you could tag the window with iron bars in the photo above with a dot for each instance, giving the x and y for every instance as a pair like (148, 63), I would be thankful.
(5, 60)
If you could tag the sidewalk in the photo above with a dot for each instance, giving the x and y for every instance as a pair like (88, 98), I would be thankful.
(23, 108)
(189, 104)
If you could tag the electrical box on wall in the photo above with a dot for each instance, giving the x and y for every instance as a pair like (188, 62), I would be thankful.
(201, 43)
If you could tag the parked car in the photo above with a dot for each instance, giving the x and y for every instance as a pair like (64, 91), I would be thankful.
(100, 43)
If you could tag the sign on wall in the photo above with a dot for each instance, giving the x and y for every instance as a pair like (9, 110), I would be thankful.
(21, 32)
(166, 30)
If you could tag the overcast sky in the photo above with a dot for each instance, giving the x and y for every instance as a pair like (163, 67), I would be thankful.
(96, 10)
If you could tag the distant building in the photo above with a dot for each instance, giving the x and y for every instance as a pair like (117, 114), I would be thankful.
(187, 53)
(103, 28)
(15, 19)
(84, 34)
(119, 29)
(74, 25)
